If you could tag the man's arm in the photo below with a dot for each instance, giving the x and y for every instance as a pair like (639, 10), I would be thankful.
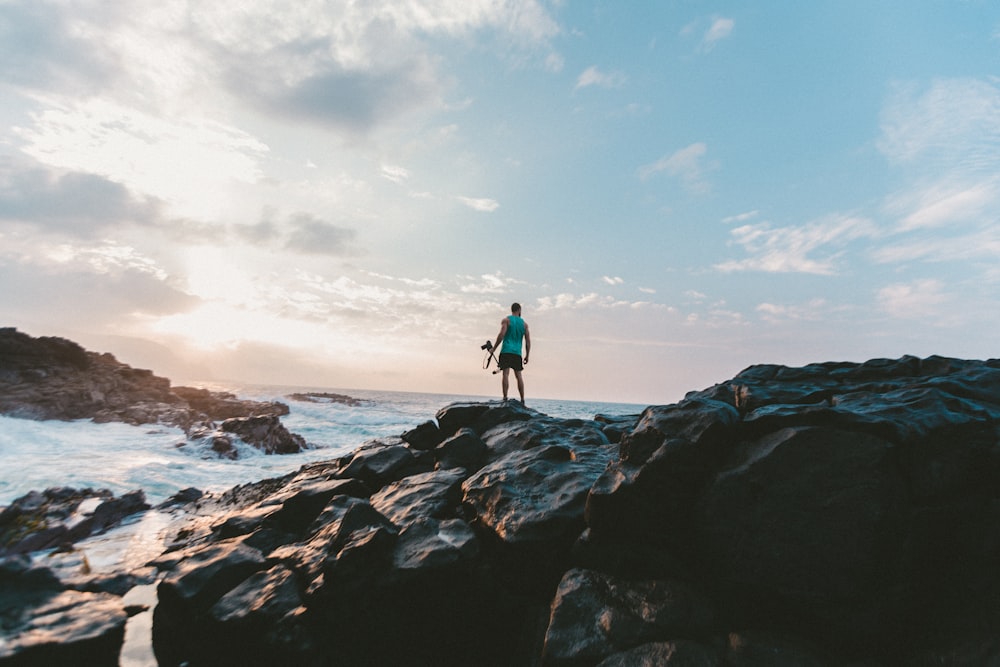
(527, 342)
(503, 332)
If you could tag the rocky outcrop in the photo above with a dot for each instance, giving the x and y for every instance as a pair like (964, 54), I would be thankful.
(834, 514)
(60, 517)
(45, 623)
(54, 378)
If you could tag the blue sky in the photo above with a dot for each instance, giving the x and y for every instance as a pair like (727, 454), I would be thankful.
(341, 194)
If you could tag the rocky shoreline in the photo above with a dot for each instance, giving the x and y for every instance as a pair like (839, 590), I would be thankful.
(55, 378)
(834, 514)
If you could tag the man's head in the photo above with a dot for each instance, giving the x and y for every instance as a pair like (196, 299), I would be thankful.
(515, 308)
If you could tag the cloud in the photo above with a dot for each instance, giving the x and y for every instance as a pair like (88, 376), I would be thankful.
(346, 65)
(740, 217)
(946, 205)
(311, 236)
(39, 47)
(794, 249)
(482, 205)
(74, 203)
(951, 126)
(190, 164)
(356, 101)
(720, 29)
(592, 76)
(980, 245)
(814, 310)
(686, 164)
(916, 300)
(105, 286)
(394, 173)
(567, 301)
(613, 280)
(495, 283)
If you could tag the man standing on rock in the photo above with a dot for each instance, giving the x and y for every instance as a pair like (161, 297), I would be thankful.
(512, 330)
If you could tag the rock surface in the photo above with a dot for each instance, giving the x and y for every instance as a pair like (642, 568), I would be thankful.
(54, 378)
(834, 514)
(58, 518)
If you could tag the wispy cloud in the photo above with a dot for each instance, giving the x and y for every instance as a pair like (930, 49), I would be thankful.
(480, 204)
(488, 283)
(568, 301)
(395, 173)
(812, 310)
(916, 300)
(953, 126)
(592, 76)
(740, 217)
(947, 204)
(811, 248)
(613, 280)
(720, 29)
(687, 164)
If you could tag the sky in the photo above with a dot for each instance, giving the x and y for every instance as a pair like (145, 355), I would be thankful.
(331, 193)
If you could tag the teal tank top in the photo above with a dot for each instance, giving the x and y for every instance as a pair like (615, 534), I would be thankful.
(512, 339)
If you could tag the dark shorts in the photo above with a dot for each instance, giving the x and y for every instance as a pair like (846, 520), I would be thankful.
(508, 360)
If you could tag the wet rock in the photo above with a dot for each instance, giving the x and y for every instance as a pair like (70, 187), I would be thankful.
(424, 437)
(433, 495)
(266, 433)
(69, 627)
(464, 450)
(60, 517)
(595, 616)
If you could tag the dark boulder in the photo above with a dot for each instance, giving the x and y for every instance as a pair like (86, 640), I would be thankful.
(595, 616)
(424, 437)
(464, 450)
(266, 433)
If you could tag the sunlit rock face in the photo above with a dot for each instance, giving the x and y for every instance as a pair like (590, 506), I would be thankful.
(833, 514)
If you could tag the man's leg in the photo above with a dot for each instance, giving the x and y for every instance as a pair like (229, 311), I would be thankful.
(520, 385)
(505, 382)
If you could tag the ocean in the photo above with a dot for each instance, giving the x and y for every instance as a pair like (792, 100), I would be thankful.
(36, 455)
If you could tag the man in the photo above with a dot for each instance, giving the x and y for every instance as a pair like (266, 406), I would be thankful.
(512, 330)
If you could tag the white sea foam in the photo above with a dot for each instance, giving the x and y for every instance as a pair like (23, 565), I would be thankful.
(159, 460)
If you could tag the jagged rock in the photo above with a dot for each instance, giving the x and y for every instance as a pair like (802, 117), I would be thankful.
(379, 463)
(518, 435)
(595, 616)
(481, 417)
(60, 517)
(266, 433)
(433, 495)
(424, 437)
(811, 517)
(465, 450)
(70, 627)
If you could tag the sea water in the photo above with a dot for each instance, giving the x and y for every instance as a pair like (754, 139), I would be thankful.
(35, 455)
